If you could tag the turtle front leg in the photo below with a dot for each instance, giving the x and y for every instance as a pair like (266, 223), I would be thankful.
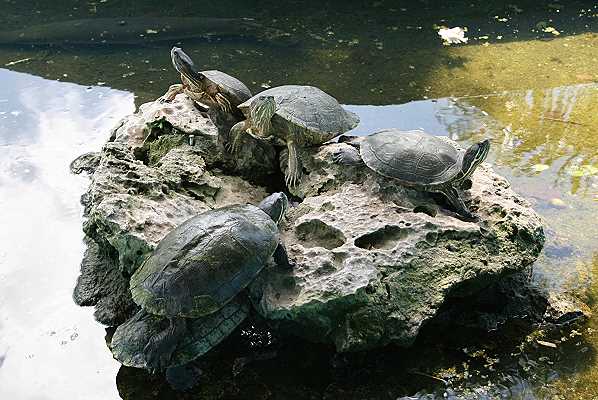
(293, 172)
(159, 349)
(347, 156)
(454, 197)
(172, 92)
(235, 136)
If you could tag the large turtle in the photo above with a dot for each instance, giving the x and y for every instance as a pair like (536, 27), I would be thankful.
(187, 288)
(298, 116)
(418, 159)
(212, 88)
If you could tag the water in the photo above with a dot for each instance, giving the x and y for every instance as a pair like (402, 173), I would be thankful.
(532, 92)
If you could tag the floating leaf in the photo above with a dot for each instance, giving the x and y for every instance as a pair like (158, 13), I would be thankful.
(550, 29)
(540, 167)
(453, 35)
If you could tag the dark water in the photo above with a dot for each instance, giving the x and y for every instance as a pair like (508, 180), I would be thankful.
(532, 92)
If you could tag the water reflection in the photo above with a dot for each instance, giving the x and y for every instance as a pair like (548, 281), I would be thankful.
(543, 140)
(49, 348)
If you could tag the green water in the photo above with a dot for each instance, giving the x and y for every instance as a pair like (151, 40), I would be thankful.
(534, 93)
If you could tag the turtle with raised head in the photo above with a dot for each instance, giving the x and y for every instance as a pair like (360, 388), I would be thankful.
(297, 116)
(187, 288)
(212, 88)
(417, 159)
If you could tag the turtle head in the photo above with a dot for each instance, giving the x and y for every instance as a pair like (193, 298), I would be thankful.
(474, 156)
(261, 111)
(185, 66)
(275, 205)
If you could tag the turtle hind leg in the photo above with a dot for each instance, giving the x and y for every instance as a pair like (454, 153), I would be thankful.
(159, 349)
(454, 197)
(183, 377)
(293, 172)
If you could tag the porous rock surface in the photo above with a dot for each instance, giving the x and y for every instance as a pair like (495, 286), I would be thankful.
(374, 261)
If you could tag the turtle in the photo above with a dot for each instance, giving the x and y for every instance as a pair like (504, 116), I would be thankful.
(296, 115)
(212, 88)
(188, 288)
(417, 159)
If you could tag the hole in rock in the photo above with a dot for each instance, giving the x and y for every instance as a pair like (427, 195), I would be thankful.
(383, 238)
(315, 233)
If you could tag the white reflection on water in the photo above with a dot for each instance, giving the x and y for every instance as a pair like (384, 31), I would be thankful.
(52, 349)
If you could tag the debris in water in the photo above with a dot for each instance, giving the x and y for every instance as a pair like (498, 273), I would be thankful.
(550, 29)
(18, 62)
(546, 344)
(454, 35)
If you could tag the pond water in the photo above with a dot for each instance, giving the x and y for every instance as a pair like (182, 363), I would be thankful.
(532, 92)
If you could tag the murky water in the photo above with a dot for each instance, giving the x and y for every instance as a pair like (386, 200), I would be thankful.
(534, 93)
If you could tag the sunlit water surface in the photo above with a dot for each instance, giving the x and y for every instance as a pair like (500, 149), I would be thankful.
(50, 348)
(533, 93)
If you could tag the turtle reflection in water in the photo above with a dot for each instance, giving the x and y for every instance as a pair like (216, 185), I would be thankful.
(418, 160)
(188, 287)
(297, 116)
(212, 88)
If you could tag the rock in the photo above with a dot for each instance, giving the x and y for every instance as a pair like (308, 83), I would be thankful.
(375, 261)
(132, 206)
(102, 285)
(87, 162)
(180, 118)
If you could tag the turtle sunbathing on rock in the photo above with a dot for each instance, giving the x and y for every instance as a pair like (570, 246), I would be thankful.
(418, 160)
(187, 289)
(296, 116)
(212, 88)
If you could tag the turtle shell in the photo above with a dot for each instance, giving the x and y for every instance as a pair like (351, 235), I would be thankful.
(413, 157)
(130, 338)
(309, 108)
(203, 263)
(231, 86)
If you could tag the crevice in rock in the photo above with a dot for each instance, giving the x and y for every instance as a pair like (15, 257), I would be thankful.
(426, 209)
(316, 233)
(386, 238)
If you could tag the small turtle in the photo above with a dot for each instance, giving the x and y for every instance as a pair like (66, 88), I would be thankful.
(299, 116)
(418, 159)
(212, 88)
(187, 288)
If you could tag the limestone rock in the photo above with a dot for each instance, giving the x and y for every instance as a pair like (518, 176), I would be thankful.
(132, 206)
(102, 285)
(375, 260)
(180, 119)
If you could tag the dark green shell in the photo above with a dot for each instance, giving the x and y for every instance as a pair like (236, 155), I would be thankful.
(130, 338)
(319, 116)
(203, 263)
(413, 157)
